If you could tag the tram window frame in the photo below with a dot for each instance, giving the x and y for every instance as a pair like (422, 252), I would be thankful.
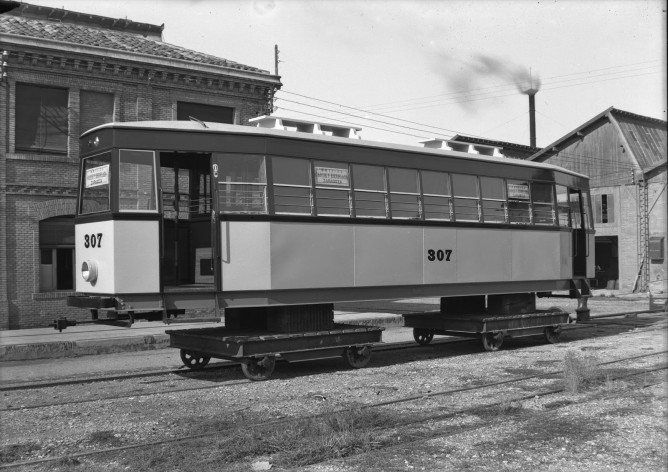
(462, 197)
(404, 191)
(89, 181)
(331, 183)
(284, 181)
(541, 208)
(123, 170)
(364, 188)
(519, 208)
(494, 203)
(248, 194)
(436, 194)
(563, 206)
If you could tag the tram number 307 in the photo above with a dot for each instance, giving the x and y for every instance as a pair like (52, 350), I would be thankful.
(93, 240)
(439, 255)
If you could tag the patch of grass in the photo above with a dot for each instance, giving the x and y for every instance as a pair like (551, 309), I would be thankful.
(505, 408)
(287, 444)
(104, 438)
(579, 370)
(16, 452)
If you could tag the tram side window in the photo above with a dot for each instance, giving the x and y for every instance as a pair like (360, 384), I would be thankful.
(242, 184)
(370, 192)
(95, 184)
(466, 197)
(519, 202)
(586, 208)
(576, 214)
(332, 188)
(292, 186)
(436, 196)
(542, 196)
(404, 193)
(493, 192)
(563, 207)
(136, 178)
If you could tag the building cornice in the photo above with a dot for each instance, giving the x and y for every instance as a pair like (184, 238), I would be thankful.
(15, 43)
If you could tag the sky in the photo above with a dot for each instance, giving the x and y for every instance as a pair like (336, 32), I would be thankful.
(407, 71)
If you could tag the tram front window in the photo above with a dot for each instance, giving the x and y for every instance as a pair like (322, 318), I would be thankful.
(95, 185)
(137, 187)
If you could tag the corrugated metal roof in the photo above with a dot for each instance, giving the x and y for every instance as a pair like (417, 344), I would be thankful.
(646, 137)
(99, 36)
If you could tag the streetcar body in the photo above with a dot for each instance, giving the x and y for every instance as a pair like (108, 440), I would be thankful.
(185, 215)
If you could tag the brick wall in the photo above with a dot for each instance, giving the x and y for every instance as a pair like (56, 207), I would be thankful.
(37, 186)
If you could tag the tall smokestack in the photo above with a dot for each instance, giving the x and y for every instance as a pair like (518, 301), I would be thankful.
(532, 119)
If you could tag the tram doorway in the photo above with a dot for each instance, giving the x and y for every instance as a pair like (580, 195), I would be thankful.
(607, 262)
(185, 183)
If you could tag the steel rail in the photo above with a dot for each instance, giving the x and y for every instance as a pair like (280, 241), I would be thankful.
(337, 412)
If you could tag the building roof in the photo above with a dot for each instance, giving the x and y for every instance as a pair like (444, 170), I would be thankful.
(510, 149)
(80, 29)
(644, 137)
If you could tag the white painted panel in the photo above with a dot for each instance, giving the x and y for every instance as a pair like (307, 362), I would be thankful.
(245, 251)
(136, 256)
(484, 255)
(440, 271)
(102, 255)
(566, 255)
(312, 255)
(388, 255)
(536, 256)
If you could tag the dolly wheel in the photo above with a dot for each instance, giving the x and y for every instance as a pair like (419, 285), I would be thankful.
(552, 334)
(258, 369)
(492, 341)
(422, 336)
(194, 360)
(357, 356)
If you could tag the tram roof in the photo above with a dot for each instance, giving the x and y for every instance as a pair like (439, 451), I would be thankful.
(212, 127)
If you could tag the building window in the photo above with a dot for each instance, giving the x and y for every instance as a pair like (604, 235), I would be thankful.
(56, 246)
(604, 210)
(199, 111)
(292, 186)
(95, 109)
(41, 119)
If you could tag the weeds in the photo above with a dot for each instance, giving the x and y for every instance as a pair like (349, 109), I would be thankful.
(579, 370)
(15, 452)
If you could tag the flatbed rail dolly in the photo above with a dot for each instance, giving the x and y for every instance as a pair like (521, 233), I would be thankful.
(490, 329)
(257, 350)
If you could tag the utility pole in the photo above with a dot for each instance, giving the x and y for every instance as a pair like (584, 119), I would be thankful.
(276, 59)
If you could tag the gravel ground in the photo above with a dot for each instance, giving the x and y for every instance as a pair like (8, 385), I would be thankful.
(611, 425)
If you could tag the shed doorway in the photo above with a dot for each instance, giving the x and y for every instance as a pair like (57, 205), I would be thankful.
(607, 262)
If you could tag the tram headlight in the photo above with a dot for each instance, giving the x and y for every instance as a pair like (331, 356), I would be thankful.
(89, 271)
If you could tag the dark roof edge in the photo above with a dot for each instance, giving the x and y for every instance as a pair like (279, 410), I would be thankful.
(28, 10)
(549, 149)
(492, 142)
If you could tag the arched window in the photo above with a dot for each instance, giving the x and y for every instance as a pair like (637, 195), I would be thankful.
(56, 248)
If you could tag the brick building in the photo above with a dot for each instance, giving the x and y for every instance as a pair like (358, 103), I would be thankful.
(624, 154)
(62, 73)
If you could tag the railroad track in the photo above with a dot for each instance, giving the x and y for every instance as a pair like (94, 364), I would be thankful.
(413, 437)
(206, 373)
